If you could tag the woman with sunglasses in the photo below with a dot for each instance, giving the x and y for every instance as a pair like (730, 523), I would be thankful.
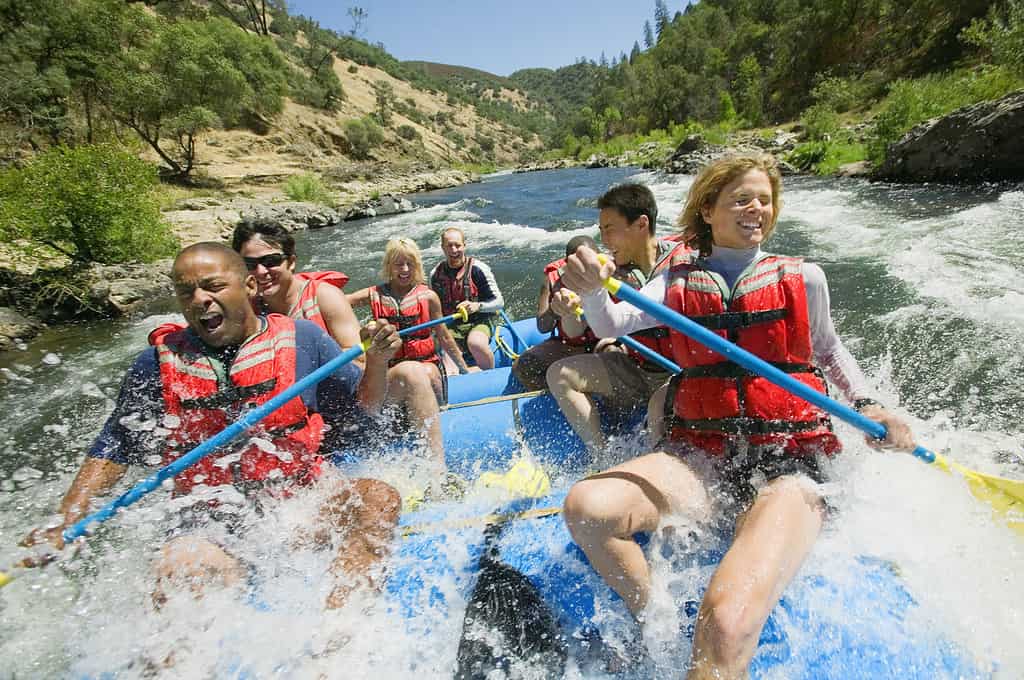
(405, 300)
(737, 450)
(269, 254)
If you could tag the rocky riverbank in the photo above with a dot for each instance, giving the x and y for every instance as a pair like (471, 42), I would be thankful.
(53, 290)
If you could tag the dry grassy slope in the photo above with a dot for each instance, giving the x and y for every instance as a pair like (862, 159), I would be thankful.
(303, 139)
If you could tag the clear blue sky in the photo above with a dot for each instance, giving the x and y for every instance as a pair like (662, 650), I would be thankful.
(499, 36)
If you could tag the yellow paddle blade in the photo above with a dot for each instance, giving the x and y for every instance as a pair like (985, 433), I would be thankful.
(5, 578)
(525, 479)
(1006, 496)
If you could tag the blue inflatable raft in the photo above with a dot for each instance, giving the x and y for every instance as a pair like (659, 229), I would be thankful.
(854, 619)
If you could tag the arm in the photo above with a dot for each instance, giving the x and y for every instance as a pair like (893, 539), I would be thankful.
(839, 365)
(546, 317)
(444, 336)
(338, 316)
(359, 298)
(583, 273)
(95, 478)
(564, 303)
(490, 295)
(385, 343)
(116, 447)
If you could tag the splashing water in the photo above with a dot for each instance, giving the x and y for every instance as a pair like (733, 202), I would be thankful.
(925, 292)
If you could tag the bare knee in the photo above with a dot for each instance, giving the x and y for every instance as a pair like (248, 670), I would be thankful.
(561, 377)
(729, 625)
(590, 512)
(195, 562)
(380, 502)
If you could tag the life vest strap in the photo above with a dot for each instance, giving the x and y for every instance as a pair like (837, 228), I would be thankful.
(749, 426)
(732, 320)
(657, 333)
(229, 396)
(728, 369)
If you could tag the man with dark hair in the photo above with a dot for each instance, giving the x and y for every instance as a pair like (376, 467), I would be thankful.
(462, 281)
(621, 379)
(571, 336)
(198, 378)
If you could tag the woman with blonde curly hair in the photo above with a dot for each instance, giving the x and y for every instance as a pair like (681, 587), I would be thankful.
(405, 300)
(736, 447)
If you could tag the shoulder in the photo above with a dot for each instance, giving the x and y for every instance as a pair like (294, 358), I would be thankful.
(481, 266)
(814, 276)
(436, 269)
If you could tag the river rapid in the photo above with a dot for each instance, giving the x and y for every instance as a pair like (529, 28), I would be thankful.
(927, 293)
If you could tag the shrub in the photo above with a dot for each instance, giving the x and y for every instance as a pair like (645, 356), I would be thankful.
(352, 68)
(363, 135)
(307, 187)
(93, 203)
(838, 94)
(1001, 35)
(407, 132)
(820, 122)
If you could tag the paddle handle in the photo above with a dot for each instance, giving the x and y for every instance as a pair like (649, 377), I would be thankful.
(639, 347)
(747, 360)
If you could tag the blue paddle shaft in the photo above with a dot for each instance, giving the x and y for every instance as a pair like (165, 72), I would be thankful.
(750, 362)
(430, 324)
(649, 354)
(247, 421)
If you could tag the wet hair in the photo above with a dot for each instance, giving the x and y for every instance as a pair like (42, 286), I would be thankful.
(633, 201)
(709, 184)
(265, 230)
(397, 247)
(577, 241)
(232, 259)
(461, 233)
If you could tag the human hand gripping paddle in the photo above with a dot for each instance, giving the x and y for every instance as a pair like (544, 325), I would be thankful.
(249, 420)
(1006, 496)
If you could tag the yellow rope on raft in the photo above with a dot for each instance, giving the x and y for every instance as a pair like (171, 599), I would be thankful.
(494, 400)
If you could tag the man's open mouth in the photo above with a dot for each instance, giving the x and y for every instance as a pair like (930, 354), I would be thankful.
(211, 322)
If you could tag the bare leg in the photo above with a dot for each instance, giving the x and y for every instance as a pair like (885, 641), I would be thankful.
(605, 510)
(366, 511)
(656, 416)
(480, 347)
(571, 381)
(195, 562)
(409, 384)
(772, 540)
(436, 380)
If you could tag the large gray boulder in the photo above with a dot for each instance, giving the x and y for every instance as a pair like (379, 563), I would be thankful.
(15, 327)
(977, 143)
(379, 207)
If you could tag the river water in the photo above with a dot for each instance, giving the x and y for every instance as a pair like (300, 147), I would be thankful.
(927, 293)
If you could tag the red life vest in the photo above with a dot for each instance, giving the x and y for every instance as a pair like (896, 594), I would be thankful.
(413, 309)
(307, 307)
(202, 404)
(655, 339)
(715, 399)
(553, 272)
(453, 289)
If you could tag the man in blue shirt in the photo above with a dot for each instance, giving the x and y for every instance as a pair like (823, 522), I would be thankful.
(200, 377)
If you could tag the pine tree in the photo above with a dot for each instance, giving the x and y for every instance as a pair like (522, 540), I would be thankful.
(635, 52)
(604, 60)
(660, 17)
(648, 35)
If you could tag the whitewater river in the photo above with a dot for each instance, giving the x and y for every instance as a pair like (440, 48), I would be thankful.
(927, 292)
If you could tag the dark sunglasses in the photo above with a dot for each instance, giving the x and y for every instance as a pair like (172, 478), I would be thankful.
(268, 261)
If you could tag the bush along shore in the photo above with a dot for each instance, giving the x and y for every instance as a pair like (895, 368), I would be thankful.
(90, 232)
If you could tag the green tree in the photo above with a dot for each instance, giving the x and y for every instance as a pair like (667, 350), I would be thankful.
(648, 35)
(173, 81)
(661, 20)
(1001, 34)
(363, 136)
(749, 90)
(385, 96)
(94, 203)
